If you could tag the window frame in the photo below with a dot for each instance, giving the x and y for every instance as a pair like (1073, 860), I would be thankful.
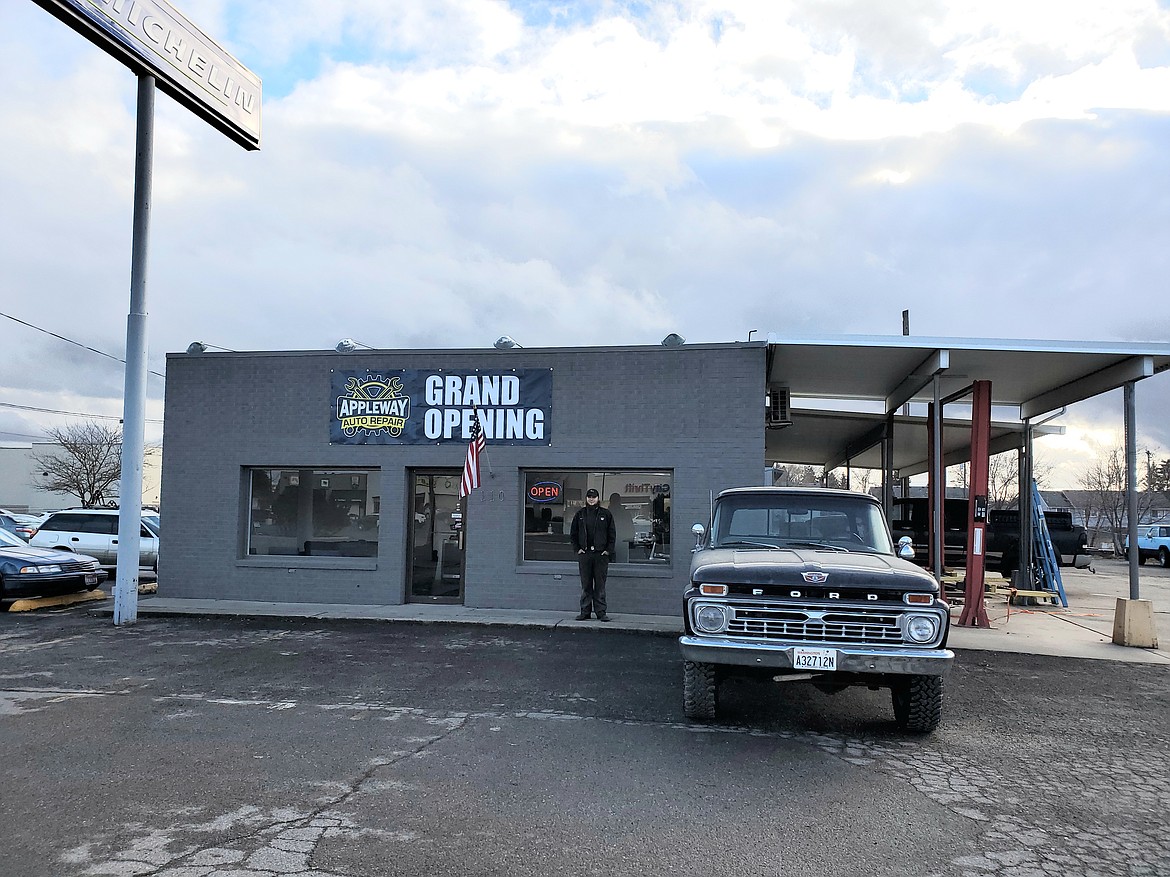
(373, 481)
(649, 475)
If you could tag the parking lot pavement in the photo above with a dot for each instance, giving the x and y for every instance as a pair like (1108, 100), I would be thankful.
(208, 747)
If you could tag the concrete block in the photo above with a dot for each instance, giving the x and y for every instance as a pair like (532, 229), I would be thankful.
(1133, 624)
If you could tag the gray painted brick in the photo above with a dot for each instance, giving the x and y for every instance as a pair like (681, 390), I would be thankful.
(695, 410)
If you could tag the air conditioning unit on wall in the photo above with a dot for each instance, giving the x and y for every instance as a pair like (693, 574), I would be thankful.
(778, 412)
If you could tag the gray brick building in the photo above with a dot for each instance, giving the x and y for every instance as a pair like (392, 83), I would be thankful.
(281, 485)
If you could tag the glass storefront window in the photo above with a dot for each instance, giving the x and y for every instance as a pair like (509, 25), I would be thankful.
(638, 499)
(313, 512)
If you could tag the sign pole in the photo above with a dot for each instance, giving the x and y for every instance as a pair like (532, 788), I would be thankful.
(134, 410)
(166, 51)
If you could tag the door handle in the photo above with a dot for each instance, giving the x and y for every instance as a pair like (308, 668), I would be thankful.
(114, 541)
(74, 539)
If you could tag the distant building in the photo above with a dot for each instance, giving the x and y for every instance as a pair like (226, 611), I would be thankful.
(19, 476)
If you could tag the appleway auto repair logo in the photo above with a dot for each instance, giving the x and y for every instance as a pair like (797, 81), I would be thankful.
(373, 404)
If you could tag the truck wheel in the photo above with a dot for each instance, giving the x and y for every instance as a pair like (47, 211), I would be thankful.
(700, 690)
(918, 703)
(1163, 557)
(1141, 558)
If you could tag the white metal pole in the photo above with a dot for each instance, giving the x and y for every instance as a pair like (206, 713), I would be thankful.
(134, 402)
(1131, 485)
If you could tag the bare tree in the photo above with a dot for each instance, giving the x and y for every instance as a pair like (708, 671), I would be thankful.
(1105, 482)
(862, 479)
(1003, 478)
(87, 465)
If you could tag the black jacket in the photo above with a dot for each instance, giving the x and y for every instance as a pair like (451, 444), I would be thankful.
(593, 525)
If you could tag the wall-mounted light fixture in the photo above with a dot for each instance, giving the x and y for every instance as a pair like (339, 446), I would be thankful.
(203, 347)
(674, 340)
(348, 345)
(505, 342)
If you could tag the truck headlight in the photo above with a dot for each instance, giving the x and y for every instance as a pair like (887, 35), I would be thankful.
(711, 619)
(921, 628)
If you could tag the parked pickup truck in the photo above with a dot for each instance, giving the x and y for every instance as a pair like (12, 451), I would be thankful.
(1069, 540)
(804, 585)
(912, 518)
(1153, 544)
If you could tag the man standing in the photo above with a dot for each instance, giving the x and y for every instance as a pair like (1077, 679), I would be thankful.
(594, 536)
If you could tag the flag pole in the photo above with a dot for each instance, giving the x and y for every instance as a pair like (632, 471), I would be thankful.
(487, 458)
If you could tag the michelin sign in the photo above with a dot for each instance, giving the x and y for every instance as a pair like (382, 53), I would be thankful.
(419, 407)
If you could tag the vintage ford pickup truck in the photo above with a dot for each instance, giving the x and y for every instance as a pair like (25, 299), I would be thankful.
(805, 585)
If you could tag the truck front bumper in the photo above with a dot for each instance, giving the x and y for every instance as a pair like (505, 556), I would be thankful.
(850, 659)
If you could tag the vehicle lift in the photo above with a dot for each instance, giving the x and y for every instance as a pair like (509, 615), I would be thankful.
(1045, 568)
(974, 607)
(974, 603)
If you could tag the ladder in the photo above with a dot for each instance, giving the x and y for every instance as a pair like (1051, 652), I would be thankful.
(1046, 570)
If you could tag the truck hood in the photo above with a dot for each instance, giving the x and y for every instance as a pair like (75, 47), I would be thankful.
(787, 566)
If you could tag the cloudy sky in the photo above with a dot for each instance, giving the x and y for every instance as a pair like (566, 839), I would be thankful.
(436, 173)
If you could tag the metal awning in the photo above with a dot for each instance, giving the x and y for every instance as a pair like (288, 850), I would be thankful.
(1032, 377)
(1035, 376)
(1027, 376)
(836, 438)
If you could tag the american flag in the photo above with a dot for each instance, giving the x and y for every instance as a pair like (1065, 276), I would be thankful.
(471, 467)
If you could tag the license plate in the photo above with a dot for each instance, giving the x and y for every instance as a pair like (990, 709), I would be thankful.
(814, 659)
(91, 578)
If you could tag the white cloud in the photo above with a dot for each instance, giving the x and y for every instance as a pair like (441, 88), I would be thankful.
(438, 174)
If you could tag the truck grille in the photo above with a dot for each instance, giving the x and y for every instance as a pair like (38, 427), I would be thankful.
(796, 623)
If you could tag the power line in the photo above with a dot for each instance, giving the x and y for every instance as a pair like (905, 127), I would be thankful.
(47, 439)
(70, 413)
(75, 343)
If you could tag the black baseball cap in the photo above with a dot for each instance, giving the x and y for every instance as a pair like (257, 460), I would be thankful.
(592, 491)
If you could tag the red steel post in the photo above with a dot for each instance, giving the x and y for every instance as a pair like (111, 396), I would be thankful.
(974, 602)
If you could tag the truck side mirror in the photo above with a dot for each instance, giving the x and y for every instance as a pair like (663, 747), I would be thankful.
(698, 530)
(906, 548)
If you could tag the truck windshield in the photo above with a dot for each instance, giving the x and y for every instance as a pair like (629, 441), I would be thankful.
(778, 520)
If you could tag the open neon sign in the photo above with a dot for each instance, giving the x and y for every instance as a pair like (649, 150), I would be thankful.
(545, 491)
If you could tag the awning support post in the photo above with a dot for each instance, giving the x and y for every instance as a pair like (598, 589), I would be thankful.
(1131, 498)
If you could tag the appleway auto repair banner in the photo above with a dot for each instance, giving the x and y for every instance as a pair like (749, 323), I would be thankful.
(419, 407)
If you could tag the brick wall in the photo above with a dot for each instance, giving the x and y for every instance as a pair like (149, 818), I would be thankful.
(695, 410)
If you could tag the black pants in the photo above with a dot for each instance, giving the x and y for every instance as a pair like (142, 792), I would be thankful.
(594, 567)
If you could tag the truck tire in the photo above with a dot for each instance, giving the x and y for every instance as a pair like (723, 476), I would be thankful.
(918, 703)
(700, 690)
(1163, 557)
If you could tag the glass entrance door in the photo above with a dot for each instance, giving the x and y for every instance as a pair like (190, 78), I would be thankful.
(435, 573)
